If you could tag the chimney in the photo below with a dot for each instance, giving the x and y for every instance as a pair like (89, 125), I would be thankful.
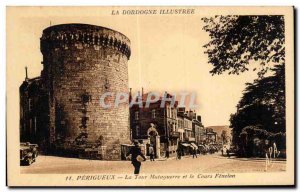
(130, 95)
(199, 118)
(26, 75)
(194, 115)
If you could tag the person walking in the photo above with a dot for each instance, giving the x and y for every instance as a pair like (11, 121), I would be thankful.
(276, 153)
(194, 152)
(228, 152)
(136, 155)
(151, 152)
(167, 153)
(178, 151)
(267, 148)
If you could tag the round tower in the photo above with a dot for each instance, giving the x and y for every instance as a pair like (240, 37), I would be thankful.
(81, 63)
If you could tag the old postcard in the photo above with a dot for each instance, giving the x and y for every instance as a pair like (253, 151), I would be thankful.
(150, 96)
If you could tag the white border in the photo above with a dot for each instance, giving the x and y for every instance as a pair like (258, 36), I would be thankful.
(5, 3)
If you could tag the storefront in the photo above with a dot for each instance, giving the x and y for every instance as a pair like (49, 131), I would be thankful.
(185, 149)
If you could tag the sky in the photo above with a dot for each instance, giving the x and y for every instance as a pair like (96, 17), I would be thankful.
(167, 55)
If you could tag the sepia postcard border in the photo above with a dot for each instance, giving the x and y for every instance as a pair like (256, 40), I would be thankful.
(287, 178)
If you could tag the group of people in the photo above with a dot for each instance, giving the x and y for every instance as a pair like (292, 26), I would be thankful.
(180, 152)
(271, 151)
(137, 155)
(225, 150)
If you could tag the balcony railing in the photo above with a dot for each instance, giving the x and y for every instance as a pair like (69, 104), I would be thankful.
(175, 134)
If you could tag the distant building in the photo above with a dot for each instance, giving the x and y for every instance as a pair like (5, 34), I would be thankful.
(198, 130)
(211, 136)
(192, 132)
(180, 124)
(224, 133)
(189, 135)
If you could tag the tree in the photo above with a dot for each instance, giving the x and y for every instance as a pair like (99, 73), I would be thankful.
(224, 137)
(262, 103)
(269, 91)
(236, 44)
(252, 141)
(238, 40)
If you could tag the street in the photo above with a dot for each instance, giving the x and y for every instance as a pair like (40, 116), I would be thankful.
(204, 164)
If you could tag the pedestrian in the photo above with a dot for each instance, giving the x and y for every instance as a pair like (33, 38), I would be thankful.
(270, 150)
(228, 153)
(266, 148)
(34, 153)
(275, 150)
(167, 153)
(151, 152)
(194, 152)
(136, 155)
(178, 153)
(222, 151)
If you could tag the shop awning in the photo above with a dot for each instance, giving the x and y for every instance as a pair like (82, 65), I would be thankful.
(185, 144)
(194, 145)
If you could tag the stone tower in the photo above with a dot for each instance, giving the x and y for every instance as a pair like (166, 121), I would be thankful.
(81, 62)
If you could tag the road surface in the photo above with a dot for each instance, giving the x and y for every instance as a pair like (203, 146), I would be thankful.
(204, 164)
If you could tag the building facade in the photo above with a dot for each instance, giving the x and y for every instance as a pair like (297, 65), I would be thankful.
(34, 118)
(198, 130)
(188, 134)
(167, 128)
(180, 125)
(155, 125)
(192, 132)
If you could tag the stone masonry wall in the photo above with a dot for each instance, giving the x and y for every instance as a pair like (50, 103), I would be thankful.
(81, 62)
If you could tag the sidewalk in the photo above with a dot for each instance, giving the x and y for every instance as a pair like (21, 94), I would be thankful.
(173, 157)
(221, 157)
(249, 158)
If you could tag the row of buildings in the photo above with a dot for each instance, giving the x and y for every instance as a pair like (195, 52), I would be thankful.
(169, 127)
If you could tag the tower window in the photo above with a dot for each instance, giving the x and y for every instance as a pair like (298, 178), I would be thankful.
(86, 98)
(137, 130)
(136, 115)
(30, 104)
